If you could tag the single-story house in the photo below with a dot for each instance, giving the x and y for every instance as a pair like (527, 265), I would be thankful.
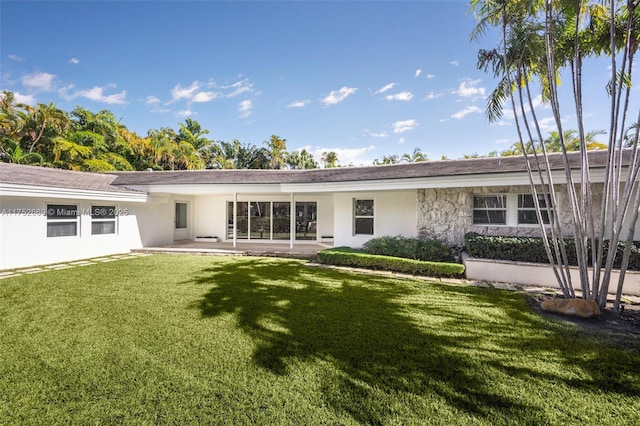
(51, 215)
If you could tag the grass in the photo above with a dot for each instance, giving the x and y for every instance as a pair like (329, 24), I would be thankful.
(185, 339)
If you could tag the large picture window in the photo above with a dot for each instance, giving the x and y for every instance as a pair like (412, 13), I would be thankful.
(62, 220)
(363, 217)
(103, 220)
(490, 209)
(527, 209)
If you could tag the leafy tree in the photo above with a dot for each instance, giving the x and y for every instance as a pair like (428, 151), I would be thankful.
(415, 157)
(387, 159)
(276, 152)
(299, 160)
(329, 159)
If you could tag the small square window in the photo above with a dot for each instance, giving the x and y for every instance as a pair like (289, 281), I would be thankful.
(62, 220)
(527, 209)
(490, 209)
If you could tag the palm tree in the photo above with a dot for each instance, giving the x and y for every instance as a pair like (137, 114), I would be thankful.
(299, 160)
(329, 159)
(414, 157)
(276, 151)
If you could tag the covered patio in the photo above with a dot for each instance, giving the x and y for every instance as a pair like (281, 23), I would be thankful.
(304, 250)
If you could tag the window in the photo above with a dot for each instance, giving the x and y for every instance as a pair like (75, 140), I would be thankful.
(527, 209)
(490, 209)
(181, 215)
(62, 220)
(103, 220)
(363, 217)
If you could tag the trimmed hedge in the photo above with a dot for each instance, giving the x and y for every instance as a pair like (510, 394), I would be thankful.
(345, 256)
(531, 249)
(409, 248)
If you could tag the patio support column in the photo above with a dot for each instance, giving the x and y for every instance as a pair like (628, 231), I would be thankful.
(292, 222)
(235, 219)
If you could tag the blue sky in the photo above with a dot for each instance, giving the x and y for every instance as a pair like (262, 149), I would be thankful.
(363, 79)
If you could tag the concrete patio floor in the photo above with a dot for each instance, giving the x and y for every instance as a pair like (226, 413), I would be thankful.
(304, 250)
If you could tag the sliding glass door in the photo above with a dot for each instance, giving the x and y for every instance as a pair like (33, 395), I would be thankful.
(266, 220)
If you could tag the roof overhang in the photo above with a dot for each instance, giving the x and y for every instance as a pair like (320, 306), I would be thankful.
(19, 190)
(458, 181)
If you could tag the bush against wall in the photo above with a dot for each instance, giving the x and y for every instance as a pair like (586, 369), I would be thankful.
(345, 256)
(531, 249)
(409, 248)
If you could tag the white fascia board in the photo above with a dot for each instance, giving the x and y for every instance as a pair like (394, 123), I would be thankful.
(16, 190)
(208, 189)
(464, 181)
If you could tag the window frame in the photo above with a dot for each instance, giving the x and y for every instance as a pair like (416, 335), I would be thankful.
(111, 211)
(360, 217)
(51, 212)
(504, 209)
(545, 209)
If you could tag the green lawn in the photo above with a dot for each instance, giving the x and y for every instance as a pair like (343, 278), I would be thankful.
(185, 339)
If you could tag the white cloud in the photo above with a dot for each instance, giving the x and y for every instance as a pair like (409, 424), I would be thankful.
(245, 108)
(24, 99)
(433, 95)
(179, 92)
(418, 72)
(204, 96)
(346, 156)
(469, 88)
(97, 94)
(402, 96)
(468, 110)
(402, 140)
(548, 124)
(299, 104)
(185, 113)
(15, 58)
(430, 76)
(74, 61)
(379, 135)
(152, 100)
(503, 141)
(454, 63)
(38, 81)
(239, 87)
(404, 126)
(385, 88)
(501, 123)
(337, 96)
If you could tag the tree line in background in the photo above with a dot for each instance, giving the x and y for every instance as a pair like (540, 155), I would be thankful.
(83, 140)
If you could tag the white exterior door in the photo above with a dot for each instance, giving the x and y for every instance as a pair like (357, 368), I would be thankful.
(181, 221)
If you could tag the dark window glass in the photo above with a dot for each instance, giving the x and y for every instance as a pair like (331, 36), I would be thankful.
(526, 209)
(62, 211)
(364, 226)
(489, 217)
(103, 212)
(181, 215)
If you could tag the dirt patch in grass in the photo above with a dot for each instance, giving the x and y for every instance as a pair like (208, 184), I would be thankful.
(625, 322)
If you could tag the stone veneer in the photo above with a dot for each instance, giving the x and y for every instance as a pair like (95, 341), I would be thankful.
(446, 214)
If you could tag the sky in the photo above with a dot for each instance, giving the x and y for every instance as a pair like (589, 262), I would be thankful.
(362, 78)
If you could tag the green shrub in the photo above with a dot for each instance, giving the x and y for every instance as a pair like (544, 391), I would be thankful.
(409, 248)
(531, 249)
(345, 256)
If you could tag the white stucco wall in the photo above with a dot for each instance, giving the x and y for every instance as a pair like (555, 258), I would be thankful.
(24, 241)
(394, 214)
(210, 212)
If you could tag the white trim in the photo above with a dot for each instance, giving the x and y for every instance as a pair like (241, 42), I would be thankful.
(18, 190)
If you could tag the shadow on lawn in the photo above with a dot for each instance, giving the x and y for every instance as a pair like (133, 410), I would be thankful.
(363, 326)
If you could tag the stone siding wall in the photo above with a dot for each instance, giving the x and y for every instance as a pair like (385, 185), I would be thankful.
(447, 214)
